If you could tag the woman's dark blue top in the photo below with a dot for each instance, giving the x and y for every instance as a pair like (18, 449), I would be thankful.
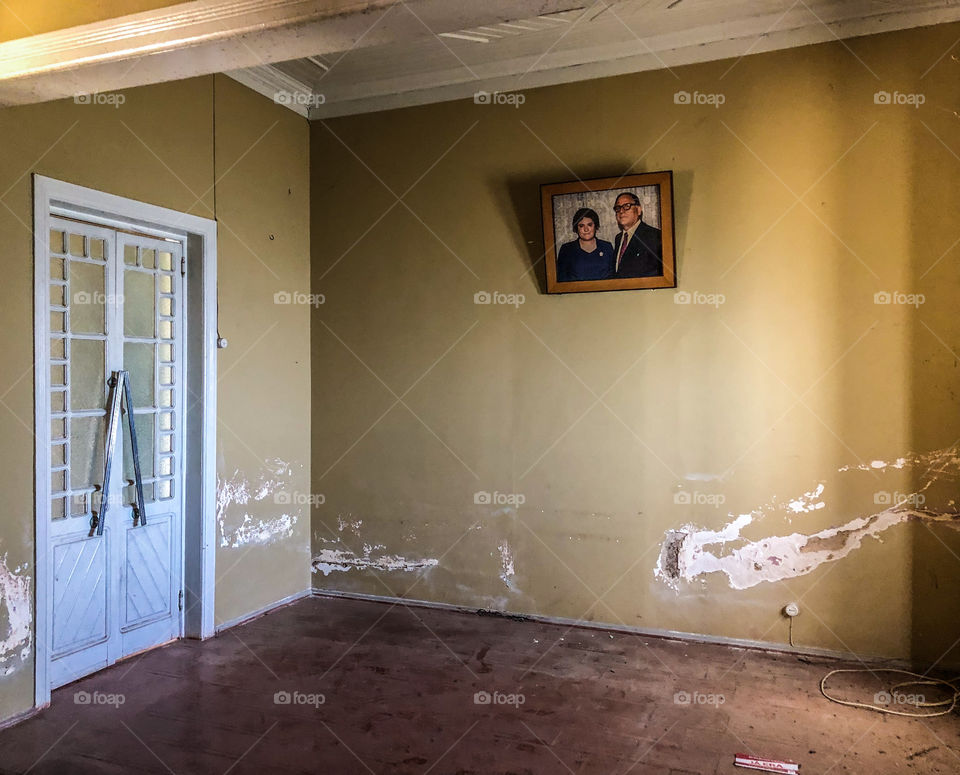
(574, 263)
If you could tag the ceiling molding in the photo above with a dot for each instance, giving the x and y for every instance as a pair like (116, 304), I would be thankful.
(279, 87)
(206, 36)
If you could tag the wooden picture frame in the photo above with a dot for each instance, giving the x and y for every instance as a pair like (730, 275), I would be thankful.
(645, 209)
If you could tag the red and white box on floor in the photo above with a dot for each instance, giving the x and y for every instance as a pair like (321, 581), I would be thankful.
(764, 765)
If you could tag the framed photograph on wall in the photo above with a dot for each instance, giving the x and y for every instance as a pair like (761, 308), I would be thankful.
(609, 234)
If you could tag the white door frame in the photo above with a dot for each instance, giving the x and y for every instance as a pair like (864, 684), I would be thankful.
(199, 236)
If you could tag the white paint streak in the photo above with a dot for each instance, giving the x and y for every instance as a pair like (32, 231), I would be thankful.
(809, 501)
(690, 553)
(269, 489)
(16, 598)
(330, 560)
(507, 569)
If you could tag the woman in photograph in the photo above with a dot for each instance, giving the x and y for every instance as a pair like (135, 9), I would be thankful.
(585, 258)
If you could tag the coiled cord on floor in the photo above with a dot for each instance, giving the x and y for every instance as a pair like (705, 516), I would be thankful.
(946, 706)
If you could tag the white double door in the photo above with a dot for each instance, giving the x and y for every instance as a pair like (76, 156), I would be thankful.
(116, 302)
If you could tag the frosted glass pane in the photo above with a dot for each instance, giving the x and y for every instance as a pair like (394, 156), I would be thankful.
(58, 429)
(166, 466)
(166, 329)
(96, 249)
(86, 298)
(166, 398)
(144, 424)
(87, 379)
(166, 260)
(139, 312)
(164, 489)
(86, 451)
(58, 454)
(166, 283)
(58, 375)
(57, 349)
(58, 401)
(56, 241)
(130, 255)
(166, 352)
(58, 481)
(57, 322)
(76, 245)
(166, 442)
(130, 494)
(166, 306)
(56, 269)
(148, 258)
(166, 421)
(57, 508)
(58, 295)
(78, 504)
(166, 375)
(138, 360)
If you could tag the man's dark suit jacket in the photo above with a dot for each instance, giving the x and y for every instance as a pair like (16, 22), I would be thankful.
(644, 256)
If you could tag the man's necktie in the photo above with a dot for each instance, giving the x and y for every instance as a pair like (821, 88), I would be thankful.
(623, 248)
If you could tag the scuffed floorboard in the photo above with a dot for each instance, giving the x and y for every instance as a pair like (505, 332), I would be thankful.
(375, 688)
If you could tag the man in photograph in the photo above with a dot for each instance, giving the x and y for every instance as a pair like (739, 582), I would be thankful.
(638, 248)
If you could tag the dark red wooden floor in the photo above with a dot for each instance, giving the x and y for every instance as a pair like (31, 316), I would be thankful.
(398, 688)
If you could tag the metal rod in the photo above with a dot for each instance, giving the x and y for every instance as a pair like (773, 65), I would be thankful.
(118, 228)
(100, 518)
(121, 392)
(138, 481)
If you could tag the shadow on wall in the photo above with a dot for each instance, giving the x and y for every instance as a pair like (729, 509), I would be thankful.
(933, 341)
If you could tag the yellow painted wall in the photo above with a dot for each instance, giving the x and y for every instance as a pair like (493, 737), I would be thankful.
(22, 18)
(158, 147)
(798, 199)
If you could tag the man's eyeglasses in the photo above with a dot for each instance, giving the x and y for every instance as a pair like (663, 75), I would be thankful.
(621, 208)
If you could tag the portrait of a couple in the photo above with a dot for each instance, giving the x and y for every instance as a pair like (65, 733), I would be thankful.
(618, 235)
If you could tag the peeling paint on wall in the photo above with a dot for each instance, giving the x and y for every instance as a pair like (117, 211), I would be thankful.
(507, 570)
(690, 552)
(268, 497)
(16, 601)
(329, 560)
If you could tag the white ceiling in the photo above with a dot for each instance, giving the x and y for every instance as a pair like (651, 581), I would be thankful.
(605, 37)
(328, 58)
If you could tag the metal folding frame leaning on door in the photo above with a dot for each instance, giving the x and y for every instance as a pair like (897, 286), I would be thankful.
(58, 200)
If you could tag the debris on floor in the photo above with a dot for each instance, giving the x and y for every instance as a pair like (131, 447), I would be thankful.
(749, 762)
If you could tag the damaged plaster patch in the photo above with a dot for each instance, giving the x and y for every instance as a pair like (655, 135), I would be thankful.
(269, 494)
(329, 560)
(507, 569)
(338, 557)
(690, 552)
(16, 599)
(809, 501)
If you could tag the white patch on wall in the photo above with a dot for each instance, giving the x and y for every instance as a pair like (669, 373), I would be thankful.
(703, 477)
(689, 552)
(809, 501)
(16, 601)
(507, 569)
(256, 512)
(329, 560)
